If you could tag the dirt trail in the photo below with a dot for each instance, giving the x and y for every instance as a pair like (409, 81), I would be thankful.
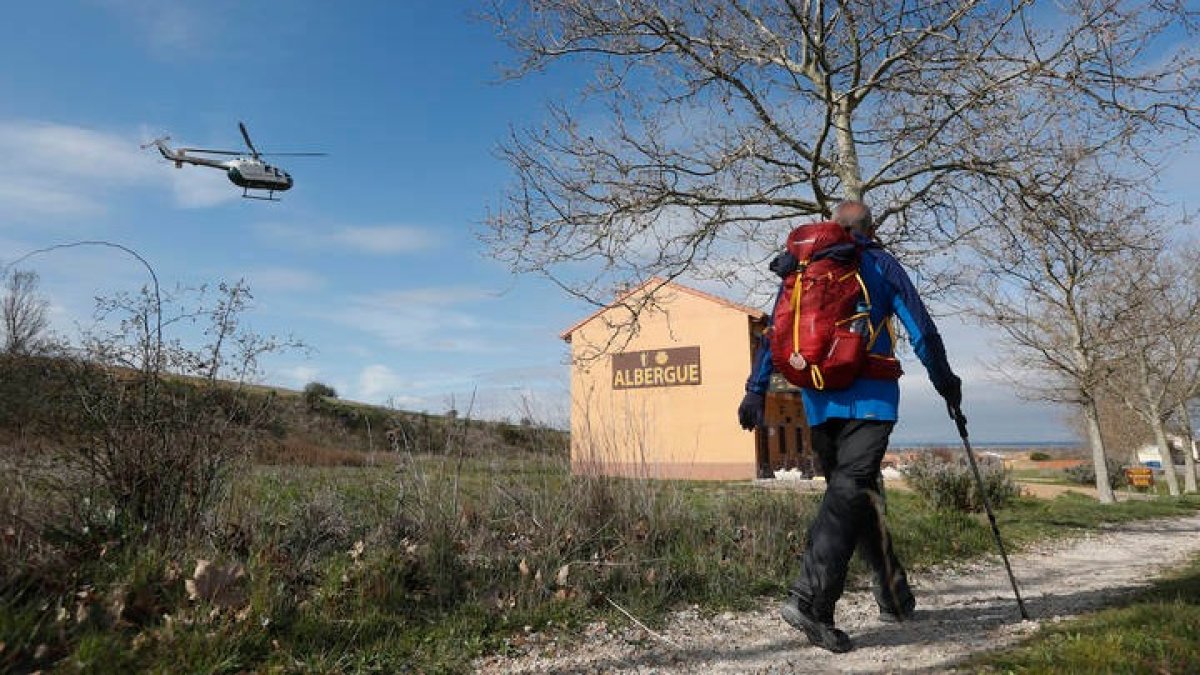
(960, 612)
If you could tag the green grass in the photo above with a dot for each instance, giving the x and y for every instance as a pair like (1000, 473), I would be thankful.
(439, 581)
(1157, 631)
(1045, 476)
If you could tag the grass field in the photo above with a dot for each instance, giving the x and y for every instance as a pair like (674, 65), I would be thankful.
(429, 563)
(1048, 476)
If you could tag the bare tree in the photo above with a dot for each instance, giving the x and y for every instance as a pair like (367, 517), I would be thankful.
(1182, 302)
(1123, 430)
(1189, 446)
(1191, 380)
(23, 311)
(1044, 274)
(709, 125)
(1157, 345)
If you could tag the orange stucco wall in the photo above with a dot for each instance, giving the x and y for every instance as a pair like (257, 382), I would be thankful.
(687, 431)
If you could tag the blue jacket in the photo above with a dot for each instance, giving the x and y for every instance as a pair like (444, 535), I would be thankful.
(892, 295)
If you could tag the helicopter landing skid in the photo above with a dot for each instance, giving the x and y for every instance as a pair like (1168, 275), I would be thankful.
(270, 197)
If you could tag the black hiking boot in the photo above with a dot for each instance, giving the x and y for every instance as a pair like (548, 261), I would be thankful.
(800, 616)
(905, 613)
(895, 617)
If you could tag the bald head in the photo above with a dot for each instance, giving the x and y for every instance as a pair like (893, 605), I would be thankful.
(855, 217)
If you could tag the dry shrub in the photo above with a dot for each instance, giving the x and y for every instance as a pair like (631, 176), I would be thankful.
(520, 540)
(162, 430)
(950, 483)
(143, 432)
(296, 450)
(1085, 473)
(315, 529)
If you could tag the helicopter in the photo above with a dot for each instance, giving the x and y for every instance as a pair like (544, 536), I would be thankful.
(250, 173)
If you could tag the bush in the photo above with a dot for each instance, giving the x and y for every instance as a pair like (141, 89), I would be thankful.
(316, 392)
(1039, 456)
(1085, 474)
(160, 428)
(951, 485)
(145, 433)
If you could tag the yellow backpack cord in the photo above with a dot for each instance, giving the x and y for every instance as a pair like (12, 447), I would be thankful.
(797, 291)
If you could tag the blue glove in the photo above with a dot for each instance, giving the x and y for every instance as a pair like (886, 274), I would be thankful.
(750, 412)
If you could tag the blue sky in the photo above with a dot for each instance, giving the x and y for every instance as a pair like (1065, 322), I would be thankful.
(372, 258)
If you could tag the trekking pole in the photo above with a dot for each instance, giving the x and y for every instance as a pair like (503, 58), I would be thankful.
(960, 421)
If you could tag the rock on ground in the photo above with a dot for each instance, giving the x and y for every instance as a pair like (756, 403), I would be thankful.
(961, 611)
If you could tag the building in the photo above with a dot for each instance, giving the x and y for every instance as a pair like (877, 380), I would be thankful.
(1150, 455)
(657, 397)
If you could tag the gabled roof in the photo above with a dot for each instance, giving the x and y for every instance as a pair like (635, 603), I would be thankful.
(660, 283)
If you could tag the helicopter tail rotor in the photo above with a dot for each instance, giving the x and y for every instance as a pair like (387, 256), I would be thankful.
(160, 141)
(164, 149)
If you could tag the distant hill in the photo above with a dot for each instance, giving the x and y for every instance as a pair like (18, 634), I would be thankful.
(42, 399)
(1055, 448)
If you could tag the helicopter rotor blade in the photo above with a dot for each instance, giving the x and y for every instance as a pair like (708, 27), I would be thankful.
(212, 152)
(295, 154)
(246, 136)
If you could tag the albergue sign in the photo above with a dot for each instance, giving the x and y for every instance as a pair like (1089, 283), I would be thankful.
(675, 367)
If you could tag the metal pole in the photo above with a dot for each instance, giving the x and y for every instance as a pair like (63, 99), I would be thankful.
(960, 421)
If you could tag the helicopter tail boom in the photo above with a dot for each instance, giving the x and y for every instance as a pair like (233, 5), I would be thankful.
(179, 156)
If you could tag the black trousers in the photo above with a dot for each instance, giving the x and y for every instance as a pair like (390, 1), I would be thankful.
(851, 516)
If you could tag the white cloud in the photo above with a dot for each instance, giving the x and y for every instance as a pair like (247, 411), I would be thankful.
(58, 149)
(169, 28)
(377, 382)
(374, 240)
(64, 171)
(283, 279)
(420, 319)
(385, 239)
(298, 376)
(198, 187)
(432, 297)
(28, 197)
(994, 409)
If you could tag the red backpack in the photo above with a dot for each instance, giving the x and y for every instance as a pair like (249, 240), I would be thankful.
(822, 328)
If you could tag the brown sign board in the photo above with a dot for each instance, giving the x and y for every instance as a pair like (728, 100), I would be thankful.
(675, 367)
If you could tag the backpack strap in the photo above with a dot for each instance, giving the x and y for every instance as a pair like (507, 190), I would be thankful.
(876, 332)
(818, 379)
(872, 331)
(797, 291)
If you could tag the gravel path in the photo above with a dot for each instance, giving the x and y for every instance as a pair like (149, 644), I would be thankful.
(960, 611)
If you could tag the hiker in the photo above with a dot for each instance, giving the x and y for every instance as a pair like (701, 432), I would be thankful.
(850, 429)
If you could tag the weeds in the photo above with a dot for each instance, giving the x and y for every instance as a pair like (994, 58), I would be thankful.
(950, 483)
(1085, 474)
(387, 568)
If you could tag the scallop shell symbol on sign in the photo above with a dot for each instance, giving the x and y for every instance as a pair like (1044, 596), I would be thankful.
(661, 358)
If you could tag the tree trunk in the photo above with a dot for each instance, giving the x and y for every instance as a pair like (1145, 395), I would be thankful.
(1104, 491)
(1189, 446)
(848, 169)
(1164, 451)
(1160, 434)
